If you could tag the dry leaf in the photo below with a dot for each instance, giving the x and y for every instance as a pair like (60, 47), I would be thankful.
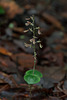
(52, 20)
(5, 52)
(13, 8)
(25, 60)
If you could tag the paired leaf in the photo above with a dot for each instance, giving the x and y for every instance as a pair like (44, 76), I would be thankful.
(36, 72)
(31, 79)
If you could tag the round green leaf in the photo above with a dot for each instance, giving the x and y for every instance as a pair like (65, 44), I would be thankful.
(2, 11)
(36, 72)
(31, 79)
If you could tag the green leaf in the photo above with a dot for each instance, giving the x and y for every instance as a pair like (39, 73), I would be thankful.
(2, 11)
(31, 79)
(36, 72)
(11, 25)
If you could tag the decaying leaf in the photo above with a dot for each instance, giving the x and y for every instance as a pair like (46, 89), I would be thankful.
(25, 60)
(54, 72)
(13, 8)
(52, 20)
(5, 52)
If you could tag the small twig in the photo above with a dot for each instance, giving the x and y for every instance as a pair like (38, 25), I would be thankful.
(62, 96)
(58, 87)
(4, 87)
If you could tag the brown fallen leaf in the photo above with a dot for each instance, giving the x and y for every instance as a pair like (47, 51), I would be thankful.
(13, 8)
(25, 60)
(5, 52)
(47, 32)
(54, 72)
(52, 20)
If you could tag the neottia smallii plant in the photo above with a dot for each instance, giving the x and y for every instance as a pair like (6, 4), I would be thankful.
(33, 76)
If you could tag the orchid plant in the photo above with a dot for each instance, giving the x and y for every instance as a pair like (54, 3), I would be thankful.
(33, 76)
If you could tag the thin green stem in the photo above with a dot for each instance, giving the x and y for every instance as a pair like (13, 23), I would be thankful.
(34, 46)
